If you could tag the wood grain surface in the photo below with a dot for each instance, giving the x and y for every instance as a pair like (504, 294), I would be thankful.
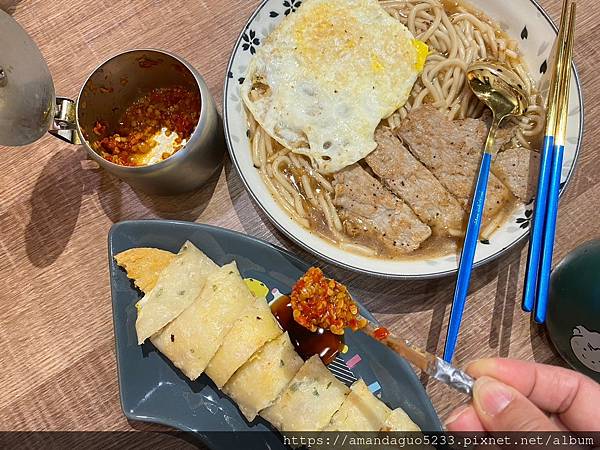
(56, 335)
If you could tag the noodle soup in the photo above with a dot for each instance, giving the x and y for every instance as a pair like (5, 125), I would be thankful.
(457, 35)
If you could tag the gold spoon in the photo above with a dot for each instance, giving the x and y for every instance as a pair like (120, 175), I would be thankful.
(502, 91)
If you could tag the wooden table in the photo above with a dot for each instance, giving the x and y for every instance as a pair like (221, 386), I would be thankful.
(56, 335)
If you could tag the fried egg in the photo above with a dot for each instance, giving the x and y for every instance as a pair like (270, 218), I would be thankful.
(322, 81)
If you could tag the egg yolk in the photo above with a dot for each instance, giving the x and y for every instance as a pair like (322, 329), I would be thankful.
(422, 53)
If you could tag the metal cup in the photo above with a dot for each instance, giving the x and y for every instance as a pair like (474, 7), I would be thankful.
(115, 85)
(29, 108)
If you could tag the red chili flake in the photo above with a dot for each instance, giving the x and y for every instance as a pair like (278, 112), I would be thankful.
(99, 128)
(381, 333)
(320, 302)
(175, 108)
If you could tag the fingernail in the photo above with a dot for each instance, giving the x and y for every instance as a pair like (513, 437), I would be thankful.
(475, 368)
(491, 396)
(470, 366)
(455, 415)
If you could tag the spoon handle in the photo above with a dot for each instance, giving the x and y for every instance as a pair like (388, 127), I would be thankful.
(430, 364)
(467, 255)
(491, 137)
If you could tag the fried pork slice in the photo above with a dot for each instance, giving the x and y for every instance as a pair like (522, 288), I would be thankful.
(452, 151)
(406, 177)
(518, 169)
(375, 216)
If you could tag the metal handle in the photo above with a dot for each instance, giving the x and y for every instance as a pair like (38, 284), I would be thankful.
(64, 125)
(491, 138)
(453, 377)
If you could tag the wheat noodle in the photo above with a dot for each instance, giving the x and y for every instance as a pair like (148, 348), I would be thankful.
(455, 40)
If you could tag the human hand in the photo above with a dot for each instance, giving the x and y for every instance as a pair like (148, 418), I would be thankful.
(512, 395)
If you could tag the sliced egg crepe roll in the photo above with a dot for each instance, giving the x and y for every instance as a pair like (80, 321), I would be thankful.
(193, 338)
(251, 331)
(361, 411)
(178, 285)
(398, 420)
(260, 380)
(309, 401)
(144, 265)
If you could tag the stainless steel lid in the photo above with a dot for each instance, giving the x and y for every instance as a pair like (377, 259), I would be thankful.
(26, 87)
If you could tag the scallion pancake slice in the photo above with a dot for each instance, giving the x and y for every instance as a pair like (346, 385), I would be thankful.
(255, 328)
(260, 380)
(178, 286)
(309, 401)
(398, 420)
(192, 339)
(361, 411)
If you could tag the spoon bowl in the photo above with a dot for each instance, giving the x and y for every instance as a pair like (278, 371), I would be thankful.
(499, 88)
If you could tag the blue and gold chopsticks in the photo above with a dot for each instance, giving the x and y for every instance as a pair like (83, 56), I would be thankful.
(541, 244)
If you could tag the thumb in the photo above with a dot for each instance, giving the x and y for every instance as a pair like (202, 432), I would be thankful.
(502, 408)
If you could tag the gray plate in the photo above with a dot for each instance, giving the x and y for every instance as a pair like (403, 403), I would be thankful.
(153, 390)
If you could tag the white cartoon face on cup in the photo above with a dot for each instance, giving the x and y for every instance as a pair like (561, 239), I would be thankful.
(586, 347)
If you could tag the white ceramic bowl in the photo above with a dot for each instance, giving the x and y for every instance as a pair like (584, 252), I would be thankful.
(524, 20)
